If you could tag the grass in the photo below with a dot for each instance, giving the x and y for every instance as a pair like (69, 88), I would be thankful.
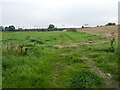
(45, 66)
(85, 79)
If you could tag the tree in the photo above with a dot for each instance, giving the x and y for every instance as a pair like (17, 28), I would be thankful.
(82, 26)
(72, 30)
(11, 28)
(1, 28)
(20, 29)
(55, 29)
(51, 27)
(110, 24)
(6, 28)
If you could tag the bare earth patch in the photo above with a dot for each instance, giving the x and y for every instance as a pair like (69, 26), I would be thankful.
(104, 30)
(63, 46)
(79, 44)
(59, 46)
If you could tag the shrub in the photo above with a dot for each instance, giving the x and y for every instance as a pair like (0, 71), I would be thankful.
(112, 41)
(110, 24)
(71, 30)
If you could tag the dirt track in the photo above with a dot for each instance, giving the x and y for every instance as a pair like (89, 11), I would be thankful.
(104, 30)
(79, 44)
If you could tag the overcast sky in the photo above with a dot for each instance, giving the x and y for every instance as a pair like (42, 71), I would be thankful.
(61, 13)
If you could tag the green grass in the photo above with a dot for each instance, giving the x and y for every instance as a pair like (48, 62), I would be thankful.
(85, 79)
(46, 66)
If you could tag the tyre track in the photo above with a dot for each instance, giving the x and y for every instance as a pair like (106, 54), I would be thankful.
(106, 76)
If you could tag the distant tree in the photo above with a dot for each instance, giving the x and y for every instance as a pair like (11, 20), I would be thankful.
(72, 30)
(1, 28)
(51, 26)
(110, 24)
(20, 29)
(55, 29)
(82, 26)
(11, 28)
(6, 28)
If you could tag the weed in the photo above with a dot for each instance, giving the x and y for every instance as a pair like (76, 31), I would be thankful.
(112, 40)
(85, 79)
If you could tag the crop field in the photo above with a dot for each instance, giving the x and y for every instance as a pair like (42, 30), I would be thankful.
(58, 60)
(103, 30)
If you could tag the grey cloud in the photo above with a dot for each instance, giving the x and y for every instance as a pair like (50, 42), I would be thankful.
(37, 14)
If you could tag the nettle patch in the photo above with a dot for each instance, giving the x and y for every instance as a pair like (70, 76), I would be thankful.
(85, 79)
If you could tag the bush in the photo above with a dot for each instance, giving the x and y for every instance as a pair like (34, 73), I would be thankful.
(72, 30)
(110, 24)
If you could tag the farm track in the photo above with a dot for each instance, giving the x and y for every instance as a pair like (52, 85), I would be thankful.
(56, 75)
(106, 76)
(68, 36)
(79, 44)
(109, 83)
(58, 66)
(58, 63)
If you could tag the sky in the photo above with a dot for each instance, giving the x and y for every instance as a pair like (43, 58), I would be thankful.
(61, 13)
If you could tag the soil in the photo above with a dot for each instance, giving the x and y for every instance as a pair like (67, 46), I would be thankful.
(78, 44)
(103, 30)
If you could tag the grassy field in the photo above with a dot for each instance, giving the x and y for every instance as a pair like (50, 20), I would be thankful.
(58, 60)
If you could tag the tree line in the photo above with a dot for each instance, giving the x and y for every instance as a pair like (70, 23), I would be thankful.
(12, 28)
(51, 27)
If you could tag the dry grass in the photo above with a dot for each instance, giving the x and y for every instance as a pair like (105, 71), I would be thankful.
(104, 31)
